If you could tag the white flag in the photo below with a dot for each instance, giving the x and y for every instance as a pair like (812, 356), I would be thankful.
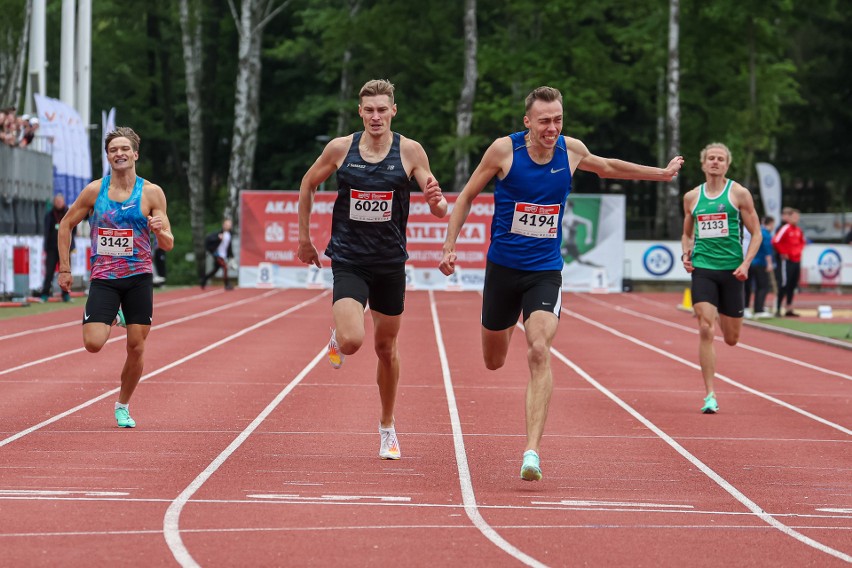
(770, 190)
(108, 122)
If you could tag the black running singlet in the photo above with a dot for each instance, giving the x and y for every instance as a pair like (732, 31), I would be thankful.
(371, 210)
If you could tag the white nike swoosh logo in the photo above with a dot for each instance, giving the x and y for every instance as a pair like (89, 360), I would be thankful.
(86, 316)
(132, 204)
(557, 171)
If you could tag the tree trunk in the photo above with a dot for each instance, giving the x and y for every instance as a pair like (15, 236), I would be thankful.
(12, 61)
(253, 17)
(752, 107)
(464, 110)
(190, 24)
(344, 111)
(674, 212)
(660, 212)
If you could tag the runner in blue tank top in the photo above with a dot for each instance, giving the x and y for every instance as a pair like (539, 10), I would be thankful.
(376, 169)
(123, 210)
(523, 274)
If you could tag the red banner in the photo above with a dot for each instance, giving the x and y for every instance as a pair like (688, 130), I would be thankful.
(269, 229)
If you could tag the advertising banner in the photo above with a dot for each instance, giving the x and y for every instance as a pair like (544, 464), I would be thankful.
(72, 158)
(593, 242)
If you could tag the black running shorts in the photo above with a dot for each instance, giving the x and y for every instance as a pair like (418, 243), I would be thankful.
(382, 285)
(507, 292)
(720, 288)
(134, 294)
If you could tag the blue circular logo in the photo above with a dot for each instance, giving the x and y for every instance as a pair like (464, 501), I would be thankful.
(829, 264)
(658, 260)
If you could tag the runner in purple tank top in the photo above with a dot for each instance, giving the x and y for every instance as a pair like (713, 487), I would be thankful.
(123, 210)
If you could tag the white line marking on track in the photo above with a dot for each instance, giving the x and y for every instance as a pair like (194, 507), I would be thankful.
(740, 344)
(380, 498)
(160, 326)
(594, 526)
(704, 468)
(76, 322)
(719, 376)
(465, 481)
(57, 493)
(576, 503)
(163, 369)
(171, 521)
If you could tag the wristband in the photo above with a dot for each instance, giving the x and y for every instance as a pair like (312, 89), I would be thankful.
(687, 255)
(64, 272)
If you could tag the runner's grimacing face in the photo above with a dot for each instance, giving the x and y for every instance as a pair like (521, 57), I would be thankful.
(544, 122)
(376, 112)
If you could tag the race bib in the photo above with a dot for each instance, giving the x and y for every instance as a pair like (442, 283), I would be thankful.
(538, 221)
(115, 242)
(712, 226)
(370, 206)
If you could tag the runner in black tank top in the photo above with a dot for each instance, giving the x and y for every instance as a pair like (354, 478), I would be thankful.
(376, 169)
(377, 196)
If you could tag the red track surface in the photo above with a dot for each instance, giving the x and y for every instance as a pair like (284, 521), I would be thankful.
(251, 450)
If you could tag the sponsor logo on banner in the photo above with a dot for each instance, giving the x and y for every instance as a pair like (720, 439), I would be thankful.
(829, 264)
(658, 260)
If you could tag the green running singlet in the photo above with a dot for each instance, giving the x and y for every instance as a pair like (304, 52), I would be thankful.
(718, 231)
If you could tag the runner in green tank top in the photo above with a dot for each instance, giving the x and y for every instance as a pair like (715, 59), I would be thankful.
(718, 238)
(714, 214)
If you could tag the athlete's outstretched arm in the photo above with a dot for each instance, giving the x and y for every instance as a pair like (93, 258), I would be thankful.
(611, 168)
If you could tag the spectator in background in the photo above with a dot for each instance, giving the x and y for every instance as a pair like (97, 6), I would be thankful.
(8, 127)
(218, 244)
(28, 132)
(759, 273)
(51, 246)
(789, 242)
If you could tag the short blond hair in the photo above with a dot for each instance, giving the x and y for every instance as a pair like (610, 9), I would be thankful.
(716, 145)
(375, 87)
(123, 132)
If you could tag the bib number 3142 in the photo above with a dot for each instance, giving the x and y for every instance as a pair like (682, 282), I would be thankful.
(538, 221)
(115, 242)
(370, 206)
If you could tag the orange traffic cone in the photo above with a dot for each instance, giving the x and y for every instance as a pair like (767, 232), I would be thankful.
(686, 304)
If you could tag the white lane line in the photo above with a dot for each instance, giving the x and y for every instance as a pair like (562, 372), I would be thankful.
(163, 369)
(740, 344)
(721, 377)
(465, 481)
(171, 521)
(704, 468)
(77, 321)
(153, 327)
(839, 514)
(325, 528)
(619, 504)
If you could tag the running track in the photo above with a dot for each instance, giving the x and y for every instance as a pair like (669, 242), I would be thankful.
(251, 450)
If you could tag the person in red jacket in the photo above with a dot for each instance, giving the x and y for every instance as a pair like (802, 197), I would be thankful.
(788, 242)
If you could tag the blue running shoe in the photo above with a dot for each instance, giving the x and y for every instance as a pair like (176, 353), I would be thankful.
(531, 469)
(123, 419)
(710, 404)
